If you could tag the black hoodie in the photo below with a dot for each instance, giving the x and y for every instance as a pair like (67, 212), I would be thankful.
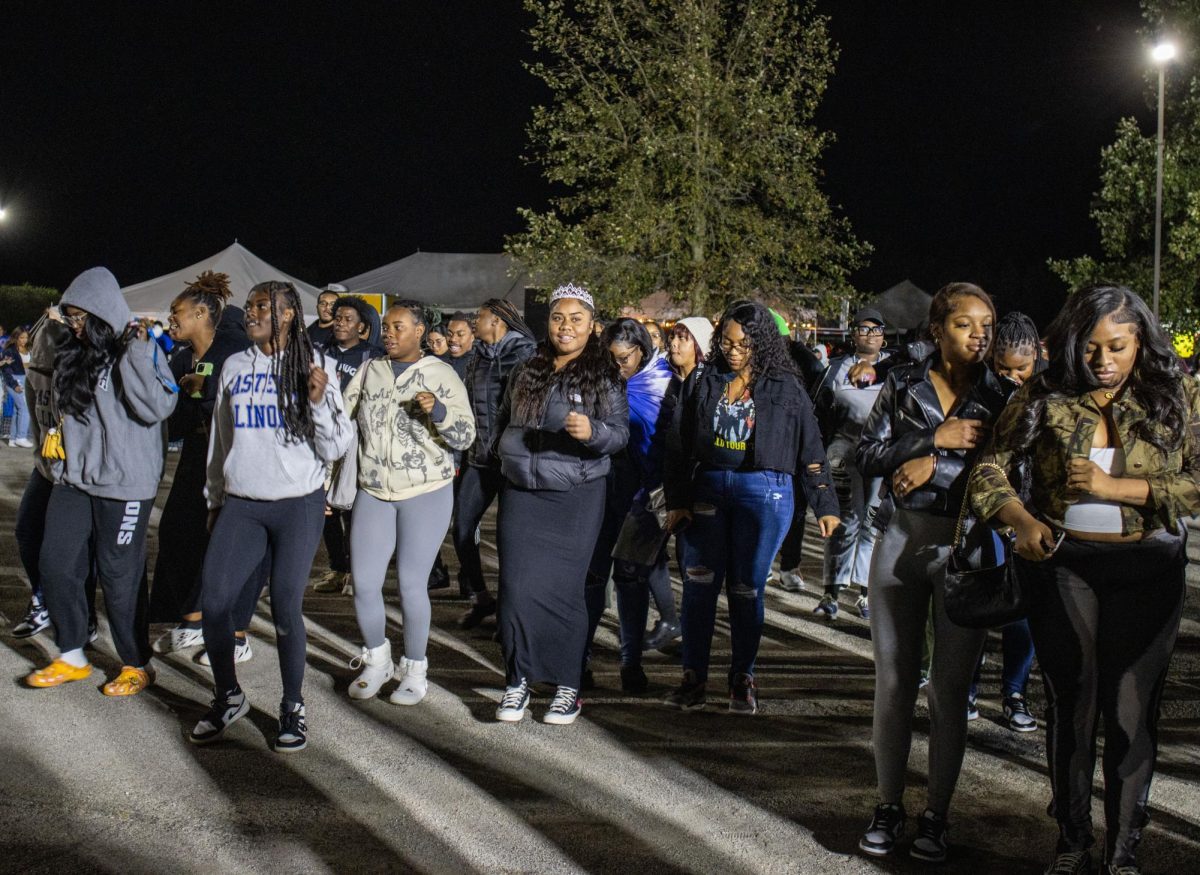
(192, 415)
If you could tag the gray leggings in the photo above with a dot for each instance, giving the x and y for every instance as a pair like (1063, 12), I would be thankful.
(905, 575)
(413, 529)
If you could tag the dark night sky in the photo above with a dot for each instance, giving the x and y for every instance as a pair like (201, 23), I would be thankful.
(331, 138)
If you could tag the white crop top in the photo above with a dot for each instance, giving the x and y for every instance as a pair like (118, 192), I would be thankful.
(1091, 514)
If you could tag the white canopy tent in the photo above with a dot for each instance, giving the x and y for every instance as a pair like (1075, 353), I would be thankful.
(153, 297)
(447, 280)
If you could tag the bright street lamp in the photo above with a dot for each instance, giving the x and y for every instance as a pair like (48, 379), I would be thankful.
(1162, 54)
(3, 213)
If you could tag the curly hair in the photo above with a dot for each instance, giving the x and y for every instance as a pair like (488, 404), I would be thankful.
(768, 351)
(210, 290)
(1156, 381)
(357, 304)
(291, 367)
(630, 332)
(79, 363)
(590, 376)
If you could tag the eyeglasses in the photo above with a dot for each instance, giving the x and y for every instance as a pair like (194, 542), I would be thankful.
(868, 330)
(74, 319)
(728, 347)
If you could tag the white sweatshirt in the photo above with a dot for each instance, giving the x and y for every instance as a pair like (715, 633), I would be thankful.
(250, 454)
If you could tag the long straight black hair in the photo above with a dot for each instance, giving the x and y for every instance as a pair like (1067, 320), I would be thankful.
(290, 368)
(1155, 383)
(79, 363)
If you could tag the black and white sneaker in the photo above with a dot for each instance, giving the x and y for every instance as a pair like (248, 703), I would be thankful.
(36, 619)
(1016, 712)
(565, 707)
(972, 708)
(293, 730)
(225, 709)
(513, 703)
(930, 845)
(887, 827)
(1071, 863)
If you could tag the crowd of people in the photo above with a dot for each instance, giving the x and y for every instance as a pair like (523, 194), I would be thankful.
(383, 433)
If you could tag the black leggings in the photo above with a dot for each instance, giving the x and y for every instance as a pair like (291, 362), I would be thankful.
(1104, 620)
(287, 531)
(474, 491)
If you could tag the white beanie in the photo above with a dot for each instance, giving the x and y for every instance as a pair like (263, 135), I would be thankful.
(701, 329)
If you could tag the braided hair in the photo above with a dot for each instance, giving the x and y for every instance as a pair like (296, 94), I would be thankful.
(768, 350)
(507, 313)
(210, 290)
(290, 367)
(1017, 332)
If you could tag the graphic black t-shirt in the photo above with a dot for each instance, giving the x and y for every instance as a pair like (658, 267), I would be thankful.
(733, 432)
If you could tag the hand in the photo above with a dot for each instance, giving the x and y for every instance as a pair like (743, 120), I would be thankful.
(579, 426)
(212, 518)
(861, 372)
(317, 381)
(54, 314)
(829, 525)
(678, 520)
(1085, 477)
(328, 510)
(960, 434)
(191, 384)
(1035, 540)
(19, 389)
(427, 400)
(913, 474)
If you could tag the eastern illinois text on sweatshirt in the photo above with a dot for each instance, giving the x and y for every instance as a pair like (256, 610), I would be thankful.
(250, 455)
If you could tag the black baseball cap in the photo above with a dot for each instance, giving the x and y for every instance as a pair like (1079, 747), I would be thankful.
(869, 314)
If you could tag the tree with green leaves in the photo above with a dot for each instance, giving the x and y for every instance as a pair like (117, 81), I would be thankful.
(1123, 209)
(681, 143)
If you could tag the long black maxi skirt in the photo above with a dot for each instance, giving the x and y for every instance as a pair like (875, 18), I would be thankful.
(546, 540)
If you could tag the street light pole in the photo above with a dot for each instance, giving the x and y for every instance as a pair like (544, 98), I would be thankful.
(1163, 52)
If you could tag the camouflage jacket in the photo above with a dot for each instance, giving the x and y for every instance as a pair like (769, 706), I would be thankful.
(1068, 425)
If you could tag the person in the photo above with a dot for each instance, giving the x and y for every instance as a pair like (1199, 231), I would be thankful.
(504, 343)
(689, 342)
(928, 424)
(1014, 358)
(842, 406)
(350, 349)
(112, 390)
(656, 335)
(16, 354)
(436, 341)
(635, 474)
(207, 333)
(746, 433)
(412, 414)
(277, 424)
(563, 417)
(46, 336)
(1111, 433)
(460, 343)
(320, 333)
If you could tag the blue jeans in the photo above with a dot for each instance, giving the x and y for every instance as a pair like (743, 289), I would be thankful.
(20, 416)
(1018, 659)
(848, 551)
(739, 521)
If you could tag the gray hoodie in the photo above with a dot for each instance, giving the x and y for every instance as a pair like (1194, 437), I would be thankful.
(249, 454)
(118, 452)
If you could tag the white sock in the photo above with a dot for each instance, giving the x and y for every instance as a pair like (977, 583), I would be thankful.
(74, 657)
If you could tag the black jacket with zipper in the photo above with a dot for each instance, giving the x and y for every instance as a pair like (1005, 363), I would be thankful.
(901, 427)
(786, 438)
(491, 366)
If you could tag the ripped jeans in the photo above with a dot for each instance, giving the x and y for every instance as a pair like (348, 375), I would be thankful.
(739, 521)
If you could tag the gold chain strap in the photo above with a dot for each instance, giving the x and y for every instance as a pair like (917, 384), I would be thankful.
(962, 513)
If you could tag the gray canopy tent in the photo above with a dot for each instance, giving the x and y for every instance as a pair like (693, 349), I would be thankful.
(447, 280)
(904, 306)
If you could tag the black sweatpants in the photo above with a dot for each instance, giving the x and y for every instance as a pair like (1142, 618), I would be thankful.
(289, 532)
(474, 493)
(1104, 619)
(31, 528)
(80, 528)
(792, 550)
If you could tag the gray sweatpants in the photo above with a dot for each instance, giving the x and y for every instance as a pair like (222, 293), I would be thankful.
(413, 529)
(906, 572)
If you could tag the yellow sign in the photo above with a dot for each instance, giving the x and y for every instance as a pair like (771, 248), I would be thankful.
(1185, 344)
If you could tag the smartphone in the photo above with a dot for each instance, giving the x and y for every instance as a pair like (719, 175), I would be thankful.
(204, 369)
(1058, 539)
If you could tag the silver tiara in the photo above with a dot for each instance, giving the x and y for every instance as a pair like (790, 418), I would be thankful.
(570, 290)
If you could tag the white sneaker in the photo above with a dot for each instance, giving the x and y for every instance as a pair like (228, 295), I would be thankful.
(565, 707)
(177, 639)
(23, 443)
(413, 681)
(241, 653)
(377, 669)
(348, 584)
(791, 581)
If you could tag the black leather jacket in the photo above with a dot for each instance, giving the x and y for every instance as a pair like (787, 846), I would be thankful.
(491, 366)
(786, 438)
(901, 427)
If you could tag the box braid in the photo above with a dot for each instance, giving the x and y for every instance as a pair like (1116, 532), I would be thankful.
(290, 368)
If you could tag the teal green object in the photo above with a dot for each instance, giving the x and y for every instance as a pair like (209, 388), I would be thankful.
(781, 324)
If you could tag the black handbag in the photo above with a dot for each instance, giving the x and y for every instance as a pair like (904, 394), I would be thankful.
(981, 586)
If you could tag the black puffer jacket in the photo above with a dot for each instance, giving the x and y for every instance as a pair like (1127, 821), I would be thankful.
(901, 427)
(545, 456)
(786, 438)
(491, 366)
